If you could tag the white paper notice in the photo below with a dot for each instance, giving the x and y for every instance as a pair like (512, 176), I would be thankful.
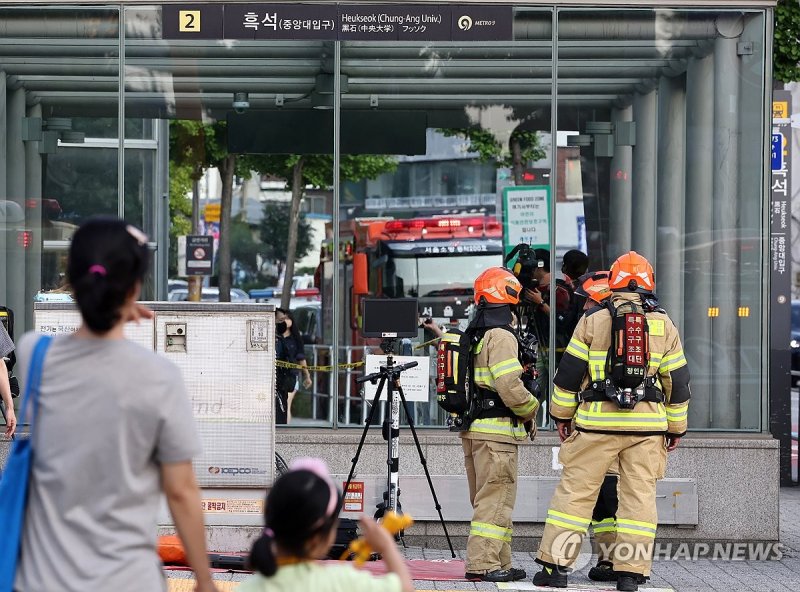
(414, 381)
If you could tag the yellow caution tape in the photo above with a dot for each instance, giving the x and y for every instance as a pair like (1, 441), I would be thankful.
(427, 343)
(350, 365)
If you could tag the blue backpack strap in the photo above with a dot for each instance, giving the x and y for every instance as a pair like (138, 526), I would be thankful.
(34, 379)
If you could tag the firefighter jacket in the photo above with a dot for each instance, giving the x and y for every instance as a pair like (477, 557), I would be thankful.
(585, 361)
(496, 368)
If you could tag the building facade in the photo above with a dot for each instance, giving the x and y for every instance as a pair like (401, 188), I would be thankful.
(657, 116)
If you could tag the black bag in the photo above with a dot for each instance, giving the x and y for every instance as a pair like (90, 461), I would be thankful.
(346, 533)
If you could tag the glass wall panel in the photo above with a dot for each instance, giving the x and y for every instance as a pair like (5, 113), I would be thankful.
(241, 130)
(59, 93)
(661, 132)
(452, 126)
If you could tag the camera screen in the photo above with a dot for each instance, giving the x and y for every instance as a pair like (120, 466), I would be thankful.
(390, 317)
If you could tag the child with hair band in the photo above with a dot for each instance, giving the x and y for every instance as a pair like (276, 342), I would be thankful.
(301, 515)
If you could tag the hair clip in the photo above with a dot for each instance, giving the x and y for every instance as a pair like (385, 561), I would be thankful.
(137, 234)
(98, 269)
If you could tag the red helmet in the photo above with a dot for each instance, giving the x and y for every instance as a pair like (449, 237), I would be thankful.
(497, 285)
(632, 272)
(593, 285)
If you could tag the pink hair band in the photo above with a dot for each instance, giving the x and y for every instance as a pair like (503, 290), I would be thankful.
(98, 269)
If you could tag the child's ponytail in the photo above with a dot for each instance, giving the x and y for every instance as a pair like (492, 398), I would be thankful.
(262, 555)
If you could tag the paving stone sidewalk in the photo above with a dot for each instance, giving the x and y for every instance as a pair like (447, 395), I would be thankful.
(681, 575)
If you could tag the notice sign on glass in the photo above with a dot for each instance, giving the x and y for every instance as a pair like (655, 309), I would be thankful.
(526, 217)
(415, 381)
(370, 22)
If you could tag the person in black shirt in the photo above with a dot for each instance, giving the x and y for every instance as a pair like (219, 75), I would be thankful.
(289, 348)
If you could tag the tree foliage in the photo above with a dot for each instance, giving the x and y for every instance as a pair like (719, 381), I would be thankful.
(523, 147)
(318, 168)
(274, 232)
(786, 49)
(245, 249)
(314, 170)
(180, 209)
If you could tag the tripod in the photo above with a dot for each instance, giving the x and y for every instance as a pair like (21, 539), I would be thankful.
(389, 376)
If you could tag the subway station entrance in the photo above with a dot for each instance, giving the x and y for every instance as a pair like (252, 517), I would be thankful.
(425, 140)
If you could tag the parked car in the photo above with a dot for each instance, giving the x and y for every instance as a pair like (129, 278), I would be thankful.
(208, 295)
(309, 322)
(174, 284)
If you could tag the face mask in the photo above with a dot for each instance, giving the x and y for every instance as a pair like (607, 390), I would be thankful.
(280, 327)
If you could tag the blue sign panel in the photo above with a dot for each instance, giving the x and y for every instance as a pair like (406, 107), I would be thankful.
(777, 152)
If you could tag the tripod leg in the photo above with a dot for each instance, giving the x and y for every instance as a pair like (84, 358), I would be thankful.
(393, 456)
(364, 434)
(424, 464)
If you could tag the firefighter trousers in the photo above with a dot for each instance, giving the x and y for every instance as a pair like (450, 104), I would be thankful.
(492, 478)
(604, 519)
(586, 458)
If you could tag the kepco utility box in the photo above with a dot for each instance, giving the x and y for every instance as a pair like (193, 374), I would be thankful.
(226, 353)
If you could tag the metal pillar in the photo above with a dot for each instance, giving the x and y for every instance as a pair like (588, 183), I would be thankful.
(643, 236)
(620, 207)
(671, 194)
(15, 191)
(696, 278)
(33, 220)
(750, 219)
(725, 247)
(162, 194)
(4, 226)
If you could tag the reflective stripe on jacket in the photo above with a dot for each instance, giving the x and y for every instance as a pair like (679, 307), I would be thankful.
(496, 368)
(585, 361)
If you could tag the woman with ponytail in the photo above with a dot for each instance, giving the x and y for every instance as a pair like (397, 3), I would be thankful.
(114, 430)
(301, 515)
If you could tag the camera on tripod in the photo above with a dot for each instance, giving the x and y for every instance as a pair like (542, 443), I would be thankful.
(526, 264)
(390, 319)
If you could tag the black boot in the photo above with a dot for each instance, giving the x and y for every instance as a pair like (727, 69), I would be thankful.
(552, 576)
(628, 581)
(498, 575)
(603, 572)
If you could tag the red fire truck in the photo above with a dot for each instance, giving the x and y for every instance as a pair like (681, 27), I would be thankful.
(432, 259)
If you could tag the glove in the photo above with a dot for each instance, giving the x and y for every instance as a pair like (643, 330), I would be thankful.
(532, 385)
(530, 429)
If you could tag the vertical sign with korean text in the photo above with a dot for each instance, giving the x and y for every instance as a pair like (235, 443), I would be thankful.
(526, 217)
(780, 280)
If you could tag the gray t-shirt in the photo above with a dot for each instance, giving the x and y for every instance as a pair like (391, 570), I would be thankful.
(110, 413)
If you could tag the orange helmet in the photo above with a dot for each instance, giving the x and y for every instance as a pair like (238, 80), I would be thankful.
(593, 285)
(632, 272)
(497, 285)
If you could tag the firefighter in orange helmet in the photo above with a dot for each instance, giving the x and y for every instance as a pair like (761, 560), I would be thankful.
(502, 419)
(593, 286)
(601, 420)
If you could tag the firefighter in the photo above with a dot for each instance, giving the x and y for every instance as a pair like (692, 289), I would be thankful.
(610, 427)
(502, 419)
(593, 287)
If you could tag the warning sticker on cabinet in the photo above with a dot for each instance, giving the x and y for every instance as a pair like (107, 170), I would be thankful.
(235, 506)
(354, 496)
